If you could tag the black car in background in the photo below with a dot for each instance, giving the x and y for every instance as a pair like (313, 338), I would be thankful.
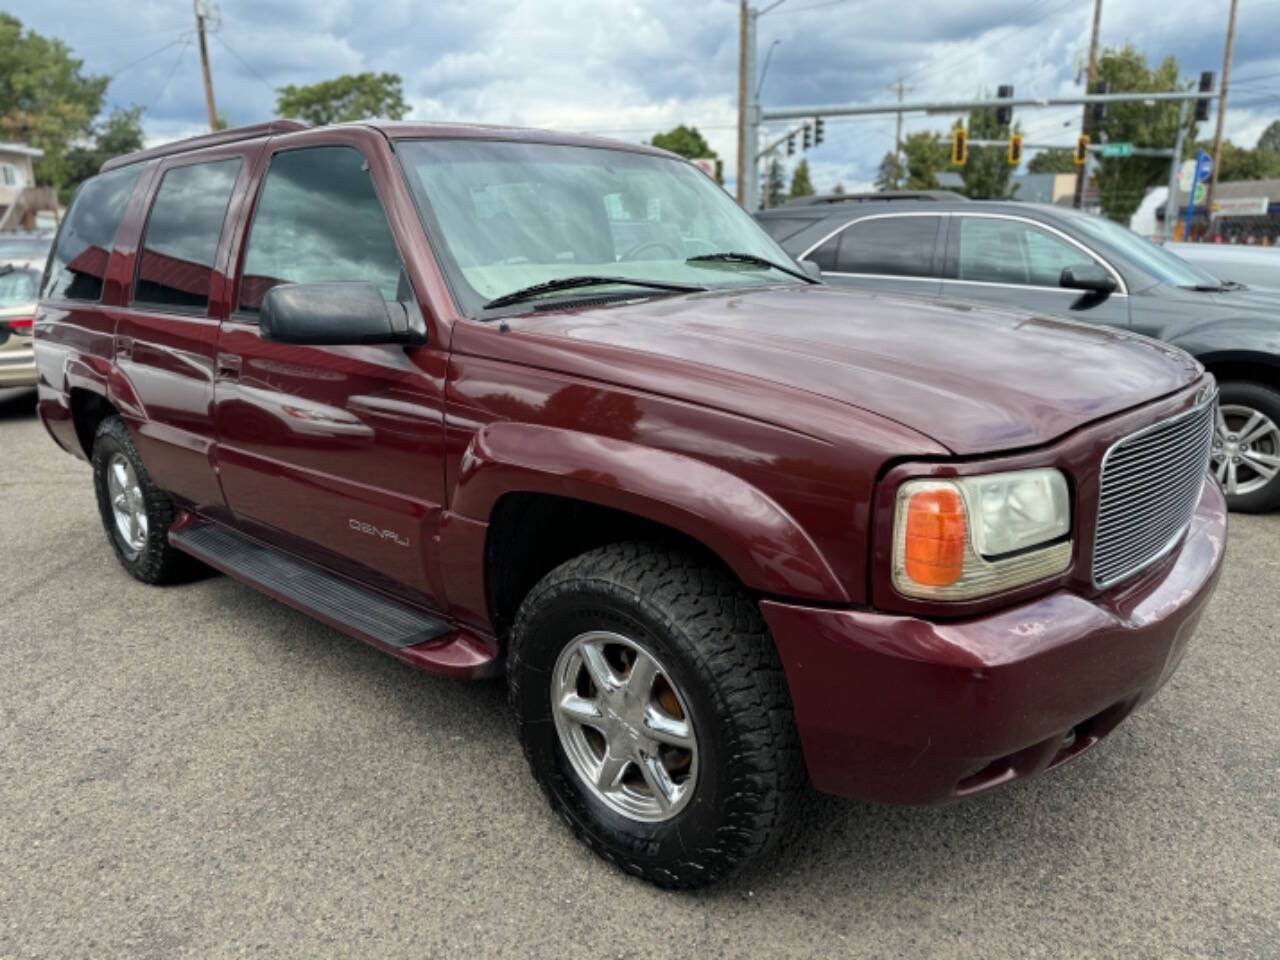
(1063, 262)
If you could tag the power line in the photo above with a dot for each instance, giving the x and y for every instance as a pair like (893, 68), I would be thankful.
(244, 63)
(169, 79)
(133, 63)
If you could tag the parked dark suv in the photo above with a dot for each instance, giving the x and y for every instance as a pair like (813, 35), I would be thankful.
(492, 398)
(1061, 262)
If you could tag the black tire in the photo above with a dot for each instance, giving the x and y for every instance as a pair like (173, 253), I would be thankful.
(156, 561)
(710, 636)
(1266, 401)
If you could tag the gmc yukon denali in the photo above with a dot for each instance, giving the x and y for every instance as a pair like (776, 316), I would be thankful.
(495, 399)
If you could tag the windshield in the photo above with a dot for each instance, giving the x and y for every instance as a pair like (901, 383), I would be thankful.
(1161, 264)
(24, 248)
(18, 287)
(505, 216)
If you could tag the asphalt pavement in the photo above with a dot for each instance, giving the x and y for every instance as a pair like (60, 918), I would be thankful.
(198, 771)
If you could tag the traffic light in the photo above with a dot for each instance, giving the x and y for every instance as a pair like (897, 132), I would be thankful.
(791, 144)
(817, 131)
(1015, 150)
(1081, 156)
(1099, 111)
(808, 142)
(959, 146)
(1202, 106)
(1004, 115)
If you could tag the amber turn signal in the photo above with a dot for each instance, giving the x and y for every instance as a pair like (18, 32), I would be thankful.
(935, 537)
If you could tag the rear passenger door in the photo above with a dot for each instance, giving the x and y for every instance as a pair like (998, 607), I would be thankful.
(166, 338)
(334, 453)
(1016, 261)
(890, 251)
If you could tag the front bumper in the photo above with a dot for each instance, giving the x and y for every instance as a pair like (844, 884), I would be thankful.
(904, 710)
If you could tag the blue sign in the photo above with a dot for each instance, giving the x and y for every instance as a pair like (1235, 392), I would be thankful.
(1204, 170)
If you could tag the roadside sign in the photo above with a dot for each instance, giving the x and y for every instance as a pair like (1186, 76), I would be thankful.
(1242, 207)
(1117, 149)
(1204, 169)
(1204, 166)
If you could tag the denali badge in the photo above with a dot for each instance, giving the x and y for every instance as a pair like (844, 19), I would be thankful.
(373, 531)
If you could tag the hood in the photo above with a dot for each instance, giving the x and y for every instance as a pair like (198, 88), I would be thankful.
(974, 378)
(1249, 300)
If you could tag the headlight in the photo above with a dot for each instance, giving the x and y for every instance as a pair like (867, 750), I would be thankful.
(973, 536)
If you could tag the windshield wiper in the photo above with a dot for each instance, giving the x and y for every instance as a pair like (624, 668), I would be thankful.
(570, 283)
(730, 257)
(1209, 287)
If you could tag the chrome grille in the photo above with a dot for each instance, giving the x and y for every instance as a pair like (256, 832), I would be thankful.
(1151, 482)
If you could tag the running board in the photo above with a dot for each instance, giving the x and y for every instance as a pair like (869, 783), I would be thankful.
(408, 634)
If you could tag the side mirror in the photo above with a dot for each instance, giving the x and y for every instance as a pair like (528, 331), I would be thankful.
(1088, 277)
(812, 269)
(333, 314)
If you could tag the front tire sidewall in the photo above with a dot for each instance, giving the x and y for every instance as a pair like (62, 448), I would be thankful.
(618, 838)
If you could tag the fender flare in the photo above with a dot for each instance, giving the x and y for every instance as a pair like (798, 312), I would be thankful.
(763, 544)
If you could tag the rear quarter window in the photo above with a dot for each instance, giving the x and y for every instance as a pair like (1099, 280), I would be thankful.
(78, 266)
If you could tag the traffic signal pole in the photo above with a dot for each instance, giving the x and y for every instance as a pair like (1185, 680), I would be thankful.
(1171, 203)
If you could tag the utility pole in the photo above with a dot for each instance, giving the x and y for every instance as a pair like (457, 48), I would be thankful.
(1092, 77)
(901, 89)
(1171, 202)
(1222, 110)
(204, 63)
(742, 103)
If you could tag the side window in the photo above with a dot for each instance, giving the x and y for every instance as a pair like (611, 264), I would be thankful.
(824, 255)
(896, 246)
(181, 238)
(1013, 251)
(318, 219)
(79, 262)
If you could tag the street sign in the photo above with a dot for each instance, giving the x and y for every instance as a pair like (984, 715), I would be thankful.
(1204, 169)
(1117, 149)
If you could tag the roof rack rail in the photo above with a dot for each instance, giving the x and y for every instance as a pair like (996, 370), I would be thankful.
(827, 198)
(214, 139)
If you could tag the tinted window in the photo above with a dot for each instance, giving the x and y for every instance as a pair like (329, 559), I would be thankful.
(79, 264)
(1013, 251)
(897, 246)
(318, 220)
(780, 228)
(176, 266)
(825, 254)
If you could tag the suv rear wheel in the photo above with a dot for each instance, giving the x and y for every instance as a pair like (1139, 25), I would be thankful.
(1246, 446)
(135, 512)
(654, 713)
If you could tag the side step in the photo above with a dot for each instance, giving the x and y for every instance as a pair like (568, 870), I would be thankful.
(408, 634)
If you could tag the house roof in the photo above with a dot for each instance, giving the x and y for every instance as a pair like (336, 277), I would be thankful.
(21, 148)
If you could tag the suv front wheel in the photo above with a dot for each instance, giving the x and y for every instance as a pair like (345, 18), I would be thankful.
(654, 713)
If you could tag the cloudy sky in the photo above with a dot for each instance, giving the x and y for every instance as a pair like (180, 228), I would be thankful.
(629, 68)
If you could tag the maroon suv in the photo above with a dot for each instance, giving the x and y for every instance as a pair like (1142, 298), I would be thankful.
(490, 398)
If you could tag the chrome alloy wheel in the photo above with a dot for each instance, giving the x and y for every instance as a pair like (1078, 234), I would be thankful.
(624, 726)
(127, 502)
(1246, 449)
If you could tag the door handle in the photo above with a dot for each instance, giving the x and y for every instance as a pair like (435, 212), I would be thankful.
(228, 366)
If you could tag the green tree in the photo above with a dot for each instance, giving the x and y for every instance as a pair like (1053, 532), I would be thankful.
(891, 173)
(986, 171)
(1052, 161)
(1270, 139)
(1123, 181)
(801, 184)
(925, 154)
(118, 134)
(352, 96)
(688, 142)
(838, 190)
(45, 99)
(685, 141)
(1241, 163)
(775, 186)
